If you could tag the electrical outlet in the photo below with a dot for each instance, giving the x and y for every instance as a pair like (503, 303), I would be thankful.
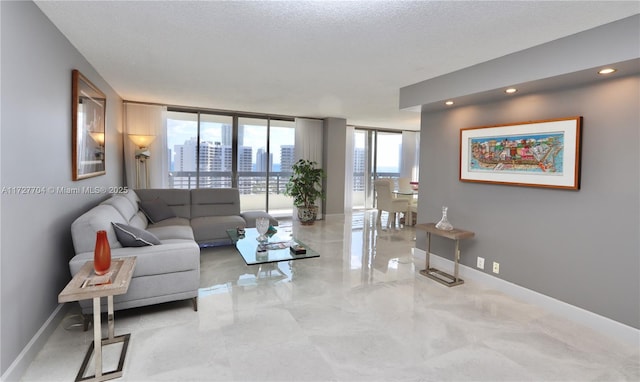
(480, 263)
(496, 267)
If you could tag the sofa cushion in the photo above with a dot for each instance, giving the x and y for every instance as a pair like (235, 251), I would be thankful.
(130, 236)
(84, 228)
(178, 199)
(214, 202)
(139, 220)
(213, 228)
(123, 205)
(132, 197)
(171, 222)
(156, 210)
(168, 232)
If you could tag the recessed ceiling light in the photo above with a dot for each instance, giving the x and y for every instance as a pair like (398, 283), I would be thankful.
(511, 90)
(606, 71)
(449, 103)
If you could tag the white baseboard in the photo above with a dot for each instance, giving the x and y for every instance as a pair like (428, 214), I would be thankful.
(611, 328)
(19, 366)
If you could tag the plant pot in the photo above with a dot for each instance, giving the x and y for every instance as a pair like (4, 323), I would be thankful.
(307, 215)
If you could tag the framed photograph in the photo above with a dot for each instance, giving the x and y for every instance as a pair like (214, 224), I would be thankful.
(88, 124)
(535, 154)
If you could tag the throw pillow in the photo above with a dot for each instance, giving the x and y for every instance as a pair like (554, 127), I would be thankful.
(156, 210)
(130, 236)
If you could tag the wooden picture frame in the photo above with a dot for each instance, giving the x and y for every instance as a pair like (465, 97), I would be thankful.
(88, 108)
(542, 153)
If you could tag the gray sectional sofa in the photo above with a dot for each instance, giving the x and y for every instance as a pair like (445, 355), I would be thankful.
(169, 270)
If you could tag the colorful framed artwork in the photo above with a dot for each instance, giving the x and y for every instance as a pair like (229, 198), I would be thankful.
(88, 128)
(535, 154)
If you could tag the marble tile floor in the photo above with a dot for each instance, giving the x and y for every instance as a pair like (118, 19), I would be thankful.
(359, 312)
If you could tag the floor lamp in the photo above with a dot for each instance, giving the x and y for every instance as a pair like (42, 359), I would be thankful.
(142, 154)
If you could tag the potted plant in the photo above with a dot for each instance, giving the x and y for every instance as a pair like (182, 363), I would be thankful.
(305, 186)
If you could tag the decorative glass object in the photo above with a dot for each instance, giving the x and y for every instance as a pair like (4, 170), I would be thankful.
(261, 253)
(101, 254)
(262, 226)
(444, 224)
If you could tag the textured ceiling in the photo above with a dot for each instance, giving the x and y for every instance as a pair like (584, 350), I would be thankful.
(311, 59)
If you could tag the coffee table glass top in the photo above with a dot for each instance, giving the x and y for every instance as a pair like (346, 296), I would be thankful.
(278, 247)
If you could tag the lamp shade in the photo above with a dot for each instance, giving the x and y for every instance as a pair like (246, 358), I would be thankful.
(97, 137)
(142, 140)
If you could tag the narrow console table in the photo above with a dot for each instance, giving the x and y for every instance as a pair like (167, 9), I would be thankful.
(80, 288)
(436, 274)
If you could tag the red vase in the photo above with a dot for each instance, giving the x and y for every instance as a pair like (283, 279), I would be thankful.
(102, 254)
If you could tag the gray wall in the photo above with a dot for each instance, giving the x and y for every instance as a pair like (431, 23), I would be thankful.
(35, 140)
(334, 156)
(581, 247)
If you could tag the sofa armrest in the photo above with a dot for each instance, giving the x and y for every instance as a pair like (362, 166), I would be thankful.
(175, 256)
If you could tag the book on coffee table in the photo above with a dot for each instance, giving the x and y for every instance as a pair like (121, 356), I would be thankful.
(272, 246)
(297, 249)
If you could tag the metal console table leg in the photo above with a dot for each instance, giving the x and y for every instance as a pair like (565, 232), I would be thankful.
(81, 287)
(434, 273)
(97, 350)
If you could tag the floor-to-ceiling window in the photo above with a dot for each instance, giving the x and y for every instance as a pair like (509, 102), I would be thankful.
(216, 158)
(253, 154)
(281, 147)
(387, 157)
(253, 162)
(361, 168)
(377, 154)
(182, 142)
(265, 157)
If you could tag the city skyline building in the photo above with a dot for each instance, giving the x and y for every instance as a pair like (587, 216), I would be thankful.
(359, 163)
(262, 163)
(287, 157)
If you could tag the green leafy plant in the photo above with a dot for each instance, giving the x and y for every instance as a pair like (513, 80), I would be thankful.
(305, 184)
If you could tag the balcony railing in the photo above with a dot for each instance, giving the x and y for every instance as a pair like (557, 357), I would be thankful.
(252, 184)
(249, 182)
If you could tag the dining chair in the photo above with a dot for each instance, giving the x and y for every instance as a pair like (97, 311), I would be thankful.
(405, 191)
(413, 210)
(386, 202)
(404, 184)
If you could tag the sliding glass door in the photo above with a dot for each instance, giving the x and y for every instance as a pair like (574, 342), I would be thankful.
(388, 154)
(182, 142)
(265, 157)
(253, 161)
(216, 151)
(377, 154)
(281, 149)
(361, 169)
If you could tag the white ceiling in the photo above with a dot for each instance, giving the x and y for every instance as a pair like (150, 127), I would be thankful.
(310, 59)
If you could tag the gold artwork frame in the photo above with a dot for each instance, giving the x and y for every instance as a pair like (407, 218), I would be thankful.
(88, 116)
(542, 153)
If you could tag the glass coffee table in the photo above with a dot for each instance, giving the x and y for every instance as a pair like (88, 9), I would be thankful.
(277, 247)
